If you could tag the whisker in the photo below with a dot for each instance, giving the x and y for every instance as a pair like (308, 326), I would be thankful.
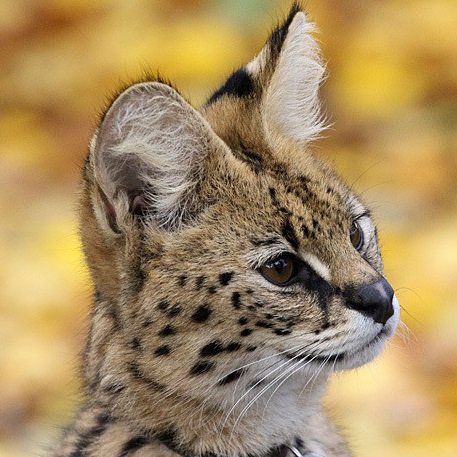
(271, 383)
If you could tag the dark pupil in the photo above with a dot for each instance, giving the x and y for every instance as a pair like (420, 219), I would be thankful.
(279, 265)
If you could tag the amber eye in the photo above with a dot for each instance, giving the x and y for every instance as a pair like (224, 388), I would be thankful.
(356, 235)
(280, 270)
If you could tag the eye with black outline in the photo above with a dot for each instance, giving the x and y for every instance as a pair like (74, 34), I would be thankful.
(281, 270)
(356, 235)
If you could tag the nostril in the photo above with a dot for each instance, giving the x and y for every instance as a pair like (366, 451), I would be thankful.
(373, 300)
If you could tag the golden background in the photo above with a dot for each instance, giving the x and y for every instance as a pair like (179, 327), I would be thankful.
(391, 94)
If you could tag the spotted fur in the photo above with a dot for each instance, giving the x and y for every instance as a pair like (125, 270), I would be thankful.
(191, 350)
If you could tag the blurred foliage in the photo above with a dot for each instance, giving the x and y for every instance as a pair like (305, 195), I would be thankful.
(392, 95)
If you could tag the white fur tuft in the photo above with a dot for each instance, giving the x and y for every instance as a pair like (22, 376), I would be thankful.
(152, 141)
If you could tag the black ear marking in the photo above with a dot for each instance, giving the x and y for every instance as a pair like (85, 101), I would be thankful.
(239, 84)
(279, 34)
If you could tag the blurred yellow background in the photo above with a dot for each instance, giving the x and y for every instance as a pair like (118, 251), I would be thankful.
(392, 96)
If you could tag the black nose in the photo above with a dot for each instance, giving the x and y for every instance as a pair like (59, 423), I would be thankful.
(373, 300)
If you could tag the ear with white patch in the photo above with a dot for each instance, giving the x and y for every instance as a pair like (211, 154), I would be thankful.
(148, 157)
(292, 72)
(291, 107)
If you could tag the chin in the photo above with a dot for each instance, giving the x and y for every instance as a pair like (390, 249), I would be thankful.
(369, 351)
(362, 356)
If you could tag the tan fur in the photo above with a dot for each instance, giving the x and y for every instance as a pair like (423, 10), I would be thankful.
(186, 352)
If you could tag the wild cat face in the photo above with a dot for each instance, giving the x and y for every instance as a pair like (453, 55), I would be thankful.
(217, 240)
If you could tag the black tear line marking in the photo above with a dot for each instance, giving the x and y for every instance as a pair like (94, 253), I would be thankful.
(289, 234)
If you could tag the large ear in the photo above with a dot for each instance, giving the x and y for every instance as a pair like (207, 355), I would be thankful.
(291, 106)
(280, 84)
(148, 157)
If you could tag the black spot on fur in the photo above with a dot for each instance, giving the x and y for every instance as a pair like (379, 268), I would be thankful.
(138, 374)
(202, 366)
(174, 310)
(87, 437)
(243, 320)
(233, 376)
(269, 316)
(167, 331)
(182, 279)
(280, 170)
(162, 350)
(246, 155)
(168, 437)
(147, 322)
(212, 348)
(282, 331)
(202, 313)
(239, 84)
(233, 346)
(133, 444)
(225, 278)
(211, 290)
(306, 231)
(236, 302)
(199, 282)
(289, 234)
(138, 278)
(263, 324)
(251, 348)
(163, 305)
(246, 332)
(135, 343)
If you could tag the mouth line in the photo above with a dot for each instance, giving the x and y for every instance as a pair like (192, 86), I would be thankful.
(339, 356)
